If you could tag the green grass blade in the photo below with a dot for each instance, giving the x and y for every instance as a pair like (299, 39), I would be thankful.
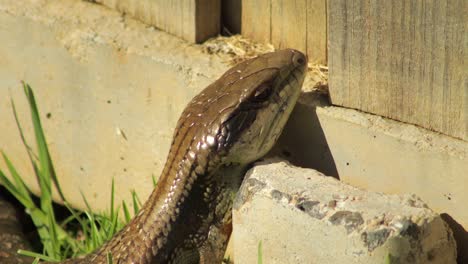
(45, 160)
(75, 215)
(20, 186)
(136, 203)
(95, 235)
(12, 189)
(155, 182)
(114, 226)
(112, 200)
(126, 212)
(86, 227)
(45, 198)
(54, 238)
(58, 244)
(86, 203)
(54, 250)
(114, 215)
(32, 156)
(35, 255)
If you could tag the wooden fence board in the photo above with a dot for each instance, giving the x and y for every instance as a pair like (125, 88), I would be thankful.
(256, 20)
(299, 24)
(406, 60)
(317, 31)
(193, 20)
(289, 24)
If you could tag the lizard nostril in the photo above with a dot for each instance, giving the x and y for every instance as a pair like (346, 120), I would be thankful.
(299, 59)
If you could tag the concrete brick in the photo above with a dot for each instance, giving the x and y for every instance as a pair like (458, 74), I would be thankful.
(114, 89)
(383, 155)
(301, 216)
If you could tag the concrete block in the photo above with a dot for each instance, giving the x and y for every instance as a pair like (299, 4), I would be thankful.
(382, 155)
(302, 216)
(109, 89)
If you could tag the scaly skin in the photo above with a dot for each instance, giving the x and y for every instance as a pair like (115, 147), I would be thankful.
(230, 124)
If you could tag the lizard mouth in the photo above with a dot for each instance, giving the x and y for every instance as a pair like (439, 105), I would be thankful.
(282, 106)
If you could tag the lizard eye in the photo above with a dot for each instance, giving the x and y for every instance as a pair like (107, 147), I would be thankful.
(263, 93)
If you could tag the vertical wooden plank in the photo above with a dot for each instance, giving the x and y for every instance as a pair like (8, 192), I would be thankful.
(289, 24)
(405, 60)
(337, 36)
(299, 24)
(186, 20)
(317, 31)
(207, 19)
(193, 20)
(256, 20)
(454, 70)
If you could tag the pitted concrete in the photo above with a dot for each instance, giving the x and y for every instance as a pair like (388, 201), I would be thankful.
(302, 216)
(383, 155)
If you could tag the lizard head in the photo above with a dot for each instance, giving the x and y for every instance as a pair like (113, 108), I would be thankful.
(241, 115)
(269, 86)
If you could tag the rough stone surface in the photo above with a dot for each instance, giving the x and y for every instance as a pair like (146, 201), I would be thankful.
(301, 216)
(382, 155)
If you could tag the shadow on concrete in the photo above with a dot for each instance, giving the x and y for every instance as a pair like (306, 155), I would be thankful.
(461, 237)
(303, 142)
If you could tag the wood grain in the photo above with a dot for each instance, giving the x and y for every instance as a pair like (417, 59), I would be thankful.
(289, 24)
(256, 20)
(317, 31)
(192, 20)
(406, 60)
(299, 24)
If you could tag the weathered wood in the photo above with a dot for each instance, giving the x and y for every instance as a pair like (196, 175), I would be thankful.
(317, 31)
(406, 60)
(193, 20)
(256, 20)
(299, 24)
(289, 24)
